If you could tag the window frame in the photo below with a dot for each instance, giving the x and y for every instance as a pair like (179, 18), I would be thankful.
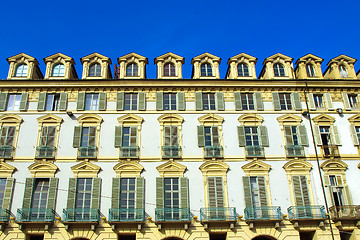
(279, 70)
(94, 70)
(285, 101)
(131, 70)
(58, 70)
(246, 99)
(169, 70)
(242, 68)
(23, 71)
(91, 101)
(343, 71)
(209, 101)
(310, 71)
(206, 70)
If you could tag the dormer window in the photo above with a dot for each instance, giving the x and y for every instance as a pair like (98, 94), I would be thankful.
(343, 71)
(169, 70)
(206, 70)
(21, 70)
(279, 70)
(58, 71)
(310, 71)
(132, 70)
(243, 70)
(95, 70)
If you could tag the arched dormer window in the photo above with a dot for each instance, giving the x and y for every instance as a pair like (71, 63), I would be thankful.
(21, 70)
(343, 71)
(95, 70)
(243, 70)
(58, 70)
(310, 70)
(132, 70)
(279, 70)
(206, 70)
(169, 70)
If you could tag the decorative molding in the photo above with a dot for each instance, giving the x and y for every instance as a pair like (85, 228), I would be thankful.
(256, 168)
(170, 118)
(333, 166)
(171, 169)
(43, 169)
(128, 169)
(102, 60)
(297, 167)
(85, 169)
(289, 119)
(250, 119)
(49, 118)
(213, 60)
(90, 118)
(233, 62)
(323, 119)
(169, 57)
(214, 168)
(354, 120)
(211, 119)
(10, 118)
(6, 170)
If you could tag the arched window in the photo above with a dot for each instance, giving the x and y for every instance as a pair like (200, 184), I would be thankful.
(279, 70)
(169, 70)
(343, 71)
(132, 70)
(243, 70)
(58, 70)
(206, 70)
(95, 70)
(21, 70)
(310, 71)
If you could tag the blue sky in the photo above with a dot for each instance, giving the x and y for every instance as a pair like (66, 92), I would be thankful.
(224, 28)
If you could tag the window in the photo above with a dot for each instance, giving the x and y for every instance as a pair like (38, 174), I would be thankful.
(208, 137)
(95, 70)
(254, 139)
(208, 100)
(355, 134)
(130, 101)
(83, 193)
(52, 102)
(39, 198)
(21, 70)
(85, 141)
(91, 101)
(58, 71)
(2, 190)
(328, 138)
(285, 101)
(169, 70)
(88, 136)
(215, 193)
(301, 195)
(169, 101)
(13, 103)
(211, 136)
(255, 193)
(171, 146)
(46, 148)
(243, 70)
(126, 139)
(206, 70)
(247, 101)
(343, 71)
(279, 70)
(310, 70)
(127, 193)
(7, 141)
(132, 70)
(336, 190)
(6, 191)
(295, 139)
(318, 101)
(353, 101)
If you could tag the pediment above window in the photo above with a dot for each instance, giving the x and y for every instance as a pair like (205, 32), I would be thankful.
(250, 119)
(213, 63)
(90, 118)
(10, 118)
(130, 119)
(333, 166)
(170, 118)
(169, 65)
(49, 118)
(6, 170)
(289, 119)
(211, 119)
(60, 66)
(85, 170)
(324, 119)
(96, 66)
(297, 167)
(355, 120)
(236, 67)
(214, 168)
(277, 60)
(23, 66)
(256, 167)
(128, 169)
(171, 169)
(43, 169)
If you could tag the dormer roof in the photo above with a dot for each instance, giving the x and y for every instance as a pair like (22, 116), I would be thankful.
(22, 56)
(68, 62)
(132, 56)
(242, 56)
(59, 56)
(204, 56)
(267, 72)
(33, 71)
(309, 56)
(332, 70)
(171, 55)
(341, 57)
(278, 56)
(232, 70)
(95, 55)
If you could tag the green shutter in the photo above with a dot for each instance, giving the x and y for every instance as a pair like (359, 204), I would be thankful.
(180, 101)
(96, 193)
(141, 101)
(298, 196)
(24, 101)
(311, 101)
(29, 185)
(92, 136)
(326, 180)
(120, 101)
(198, 101)
(102, 101)
(133, 136)
(71, 193)
(288, 135)
(241, 136)
(184, 192)
(118, 136)
(115, 196)
(159, 192)
(51, 199)
(140, 191)
(346, 101)
(247, 192)
(8, 193)
(41, 102)
(328, 101)
(305, 191)
(63, 101)
(296, 101)
(219, 96)
(77, 136)
(348, 196)
(276, 101)
(3, 101)
(317, 135)
(237, 99)
(335, 137)
(303, 136)
(264, 136)
(215, 192)
(262, 191)
(354, 135)
(80, 101)
(159, 101)
(259, 105)
(201, 136)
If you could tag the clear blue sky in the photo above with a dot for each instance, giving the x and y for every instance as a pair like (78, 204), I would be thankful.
(261, 28)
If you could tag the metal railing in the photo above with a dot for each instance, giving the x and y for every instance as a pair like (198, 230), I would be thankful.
(306, 212)
(330, 150)
(82, 214)
(6, 151)
(213, 151)
(345, 212)
(87, 152)
(127, 214)
(172, 214)
(263, 213)
(171, 151)
(4, 215)
(45, 152)
(254, 151)
(218, 214)
(294, 151)
(129, 151)
(35, 215)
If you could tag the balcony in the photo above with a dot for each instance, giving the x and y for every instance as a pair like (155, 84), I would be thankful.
(126, 215)
(330, 151)
(218, 214)
(129, 152)
(294, 151)
(45, 152)
(171, 151)
(306, 212)
(81, 214)
(6, 151)
(254, 151)
(263, 213)
(87, 152)
(4, 215)
(35, 215)
(213, 151)
(172, 214)
(345, 212)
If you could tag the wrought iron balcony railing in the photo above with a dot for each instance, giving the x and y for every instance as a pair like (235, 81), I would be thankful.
(263, 213)
(306, 212)
(172, 214)
(213, 151)
(129, 152)
(127, 215)
(4, 215)
(45, 152)
(35, 215)
(345, 212)
(218, 214)
(87, 152)
(254, 151)
(82, 214)
(6, 151)
(171, 151)
(330, 150)
(294, 151)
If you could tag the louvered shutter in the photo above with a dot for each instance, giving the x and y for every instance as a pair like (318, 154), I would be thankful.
(215, 192)
(198, 101)
(328, 101)
(77, 136)
(120, 101)
(3, 101)
(63, 101)
(201, 136)
(220, 104)
(288, 135)
(354, 135)
(335, 137)
(180, 101)
(9, 188)
(24, 101)
(96, 193)
(237, 100)
(102, 101)
(241, 136)
(133, 136)
(259, 105)
(247, 192)
(140, 191)
(311, 101)
(297, 191)
(72, 193)
(262, 191)
(41, 102)
(52, 193)
(159, 192)
(92, 136)
(264, 136)
(80, 105)
(141, 101)
(295, 101)
(303, 136)
(184, 192)
(348, 196)
(305, 191)
(29, 186)
(276, 101)
(346, 101)
(317, 135)
(159, 101)
(115, 195)
(118, 136)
